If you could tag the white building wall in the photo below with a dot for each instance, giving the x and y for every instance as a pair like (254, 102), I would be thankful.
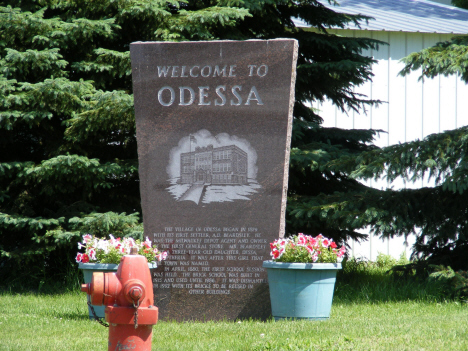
(414, 109)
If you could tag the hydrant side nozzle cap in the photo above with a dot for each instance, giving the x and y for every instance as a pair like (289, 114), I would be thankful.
(85, 288)
(135, 293)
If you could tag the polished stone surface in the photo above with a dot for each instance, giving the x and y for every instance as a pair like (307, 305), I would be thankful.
(213, 129)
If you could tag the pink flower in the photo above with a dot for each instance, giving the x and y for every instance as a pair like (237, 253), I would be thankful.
(122, 246)
(275, 253)
(325, 242)
(87, 238)
(341, 252)
(162, 256)
(301, 239)
(282, 242)
(313, 241)
(319, 248)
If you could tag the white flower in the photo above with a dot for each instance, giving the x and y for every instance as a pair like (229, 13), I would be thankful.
(103, 245)
(92, 254)
(129, 242)
(87, 237)
(147, 243)
(112, 239)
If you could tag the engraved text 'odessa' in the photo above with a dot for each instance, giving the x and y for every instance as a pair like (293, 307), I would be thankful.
(220, 95)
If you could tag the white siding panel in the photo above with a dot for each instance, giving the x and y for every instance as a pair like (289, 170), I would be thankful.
(375, 245)
(380, 88)
(414, 93)
(342, 119)
(448, 103)
(415, 109)
(397, 95)
(431, 95)
(399, 245)
(397, 89)
(363, 120)
(378, 246)
(361, 250)
(462, 104)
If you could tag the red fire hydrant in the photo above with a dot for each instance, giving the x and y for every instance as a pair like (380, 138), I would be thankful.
(128, 295)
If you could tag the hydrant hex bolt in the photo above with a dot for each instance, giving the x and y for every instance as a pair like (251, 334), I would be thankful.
(136, 293)
(127, 293)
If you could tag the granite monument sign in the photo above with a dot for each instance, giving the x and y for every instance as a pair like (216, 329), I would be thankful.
(213, 130)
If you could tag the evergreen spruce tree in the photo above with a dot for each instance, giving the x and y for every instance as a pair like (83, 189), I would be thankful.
(438, 215)
(460, 3)
(68, 161)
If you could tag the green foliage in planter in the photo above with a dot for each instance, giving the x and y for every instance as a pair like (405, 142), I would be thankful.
(299, 254)
(114, 256)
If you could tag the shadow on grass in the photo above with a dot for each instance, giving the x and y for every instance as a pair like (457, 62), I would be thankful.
(75, 316)
(47, 287)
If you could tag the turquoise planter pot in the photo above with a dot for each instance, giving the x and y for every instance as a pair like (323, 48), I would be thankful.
(89, 269)
(301, 290)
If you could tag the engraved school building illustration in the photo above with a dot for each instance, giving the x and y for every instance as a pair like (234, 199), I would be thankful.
(214, 165)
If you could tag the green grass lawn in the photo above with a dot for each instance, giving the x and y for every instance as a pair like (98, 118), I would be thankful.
(371, 311)
(60, 322)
